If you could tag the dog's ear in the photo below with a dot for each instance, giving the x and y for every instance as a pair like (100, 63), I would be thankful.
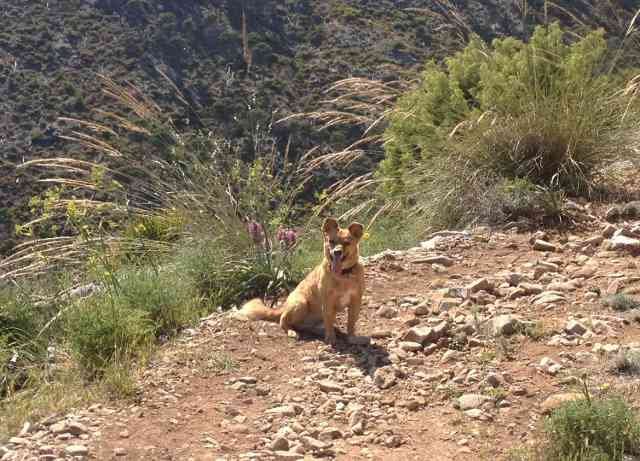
(330, 226)
(357, 230)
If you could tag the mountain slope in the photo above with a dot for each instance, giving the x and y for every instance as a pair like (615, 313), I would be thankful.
(240, 64)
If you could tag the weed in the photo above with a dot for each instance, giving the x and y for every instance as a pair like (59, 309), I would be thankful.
(621, 302)
(604, 429)
(626, 361)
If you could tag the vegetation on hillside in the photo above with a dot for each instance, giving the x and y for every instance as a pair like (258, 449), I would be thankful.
(158, 216)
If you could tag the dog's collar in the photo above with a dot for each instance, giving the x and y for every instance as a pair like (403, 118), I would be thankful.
(349, 270)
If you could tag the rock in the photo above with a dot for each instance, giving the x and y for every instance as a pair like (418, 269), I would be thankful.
(314, 444)
(494, 380)
(330, 433)
(410, 346)
(387, 312)
(621, 242)
(531, 288)
(542, 245)
(330, 386)
(285, 410)
(18, 441)
(470, 401)
(513, 278)
(76, 450)
(480, 285)
(384, 377)
(280, 444)
(550, 366)
(77, 428)
(505, 325)
(557, 400)
(120, 452)
(575, 328)
(58, 428)
(422, 309)
(381, 334)
(608, 231)
(440, 260)
(446, 304)
(426, 335)
(124, 434)
(357, 422)
(248, 380)
(549, 297)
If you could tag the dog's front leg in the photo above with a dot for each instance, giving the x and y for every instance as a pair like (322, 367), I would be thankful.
(329, 320)
(353, 314)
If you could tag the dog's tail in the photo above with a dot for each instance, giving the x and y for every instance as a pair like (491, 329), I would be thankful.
(256, 310)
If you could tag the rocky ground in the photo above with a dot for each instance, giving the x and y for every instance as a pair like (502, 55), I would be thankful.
(468, 341)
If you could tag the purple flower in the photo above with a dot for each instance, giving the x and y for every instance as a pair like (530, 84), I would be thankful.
(287, 237)
(256, 232)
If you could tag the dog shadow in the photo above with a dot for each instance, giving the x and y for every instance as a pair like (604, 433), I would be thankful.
(368, 357)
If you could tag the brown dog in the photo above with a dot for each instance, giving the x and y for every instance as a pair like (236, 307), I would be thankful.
(336, 283)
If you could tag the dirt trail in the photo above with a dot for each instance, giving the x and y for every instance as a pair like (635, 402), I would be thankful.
(469, 338)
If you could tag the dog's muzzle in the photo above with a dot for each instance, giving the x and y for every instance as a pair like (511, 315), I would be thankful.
(336, 259)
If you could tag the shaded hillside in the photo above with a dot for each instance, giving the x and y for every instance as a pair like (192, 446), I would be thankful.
(51, 51)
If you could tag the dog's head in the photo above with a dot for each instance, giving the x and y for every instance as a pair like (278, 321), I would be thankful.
(341, 245)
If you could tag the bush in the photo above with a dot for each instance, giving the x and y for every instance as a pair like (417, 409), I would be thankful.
(544, 114)
(101, 331)
(621, 302)
(605, 429)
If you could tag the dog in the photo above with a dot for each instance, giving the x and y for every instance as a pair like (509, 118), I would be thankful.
(335, 284)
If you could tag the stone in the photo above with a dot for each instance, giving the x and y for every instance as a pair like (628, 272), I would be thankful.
(542, 245)
(280, 444)
(549, 297)
(387, 312)
(480, 285)
(77, 428)
(285, 410)
(531, 288)
(513, 278)
(76, 450)
(441, 260)
(426, 335)
(470, 401)
(120, 452)
(422, 309)
(384, 377)
(446, 304)
(621, 242)
(557, 400)
(58, 428)
(575, 328)
(550, 366)
(410, 346)
(330, 386)
(505, 325)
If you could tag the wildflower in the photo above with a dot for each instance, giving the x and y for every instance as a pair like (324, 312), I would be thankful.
(256, 232)
(366, 236)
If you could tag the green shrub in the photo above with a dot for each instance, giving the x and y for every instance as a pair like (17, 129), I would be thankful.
(621, 302)
(593, 430)
(545, 114)
(101, 331)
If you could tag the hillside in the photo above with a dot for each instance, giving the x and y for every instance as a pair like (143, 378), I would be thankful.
(464, 362)
(51, 51)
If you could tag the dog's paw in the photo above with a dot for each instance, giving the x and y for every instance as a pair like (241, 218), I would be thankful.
(330, 339)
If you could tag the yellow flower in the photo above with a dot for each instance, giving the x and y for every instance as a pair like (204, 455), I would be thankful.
(366, 236)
